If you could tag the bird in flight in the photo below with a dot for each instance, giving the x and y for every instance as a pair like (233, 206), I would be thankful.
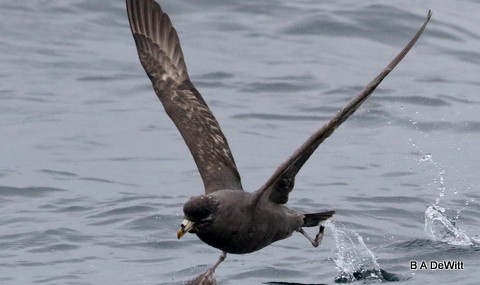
(225, 216)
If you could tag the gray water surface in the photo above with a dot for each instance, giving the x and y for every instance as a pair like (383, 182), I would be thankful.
(93, 174)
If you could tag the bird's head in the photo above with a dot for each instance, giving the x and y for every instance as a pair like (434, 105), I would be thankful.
(199, 212)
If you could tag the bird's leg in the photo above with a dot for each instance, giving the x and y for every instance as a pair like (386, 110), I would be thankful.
(220, 260)
(318, 238)
(207, 277)
(212, 269)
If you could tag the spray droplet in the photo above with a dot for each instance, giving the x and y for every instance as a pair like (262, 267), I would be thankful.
(426, 157)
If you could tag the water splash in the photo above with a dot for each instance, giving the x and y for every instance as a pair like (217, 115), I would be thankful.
(439, 228)
(439, 180)
(354, 260)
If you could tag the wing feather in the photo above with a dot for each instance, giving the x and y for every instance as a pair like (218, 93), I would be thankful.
(281, 183)
(162, 58)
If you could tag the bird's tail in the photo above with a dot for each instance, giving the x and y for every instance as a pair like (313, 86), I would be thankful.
(313, 219)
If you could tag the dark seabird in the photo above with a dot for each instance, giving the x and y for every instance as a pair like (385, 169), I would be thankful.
(226, 217)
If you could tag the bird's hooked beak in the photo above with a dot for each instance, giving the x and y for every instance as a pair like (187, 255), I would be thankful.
(185, 227)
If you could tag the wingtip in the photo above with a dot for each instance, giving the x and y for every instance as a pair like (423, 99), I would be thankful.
(155, 35)
(429, 15)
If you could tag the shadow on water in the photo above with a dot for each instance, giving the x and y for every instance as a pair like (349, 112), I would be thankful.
(367, 276)
(289, 283)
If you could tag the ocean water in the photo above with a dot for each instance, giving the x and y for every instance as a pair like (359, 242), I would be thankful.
(93, 174)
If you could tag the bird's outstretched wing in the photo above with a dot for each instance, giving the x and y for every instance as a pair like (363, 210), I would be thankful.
(281, 183)
(161, 56)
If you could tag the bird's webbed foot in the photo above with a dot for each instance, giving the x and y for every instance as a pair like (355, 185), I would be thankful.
(318, 238)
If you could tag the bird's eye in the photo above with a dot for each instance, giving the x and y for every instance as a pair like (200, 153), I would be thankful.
(207, 219)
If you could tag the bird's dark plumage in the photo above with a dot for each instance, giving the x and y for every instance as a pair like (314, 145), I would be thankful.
(161, 56)
(281, 182)
(231, 220)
